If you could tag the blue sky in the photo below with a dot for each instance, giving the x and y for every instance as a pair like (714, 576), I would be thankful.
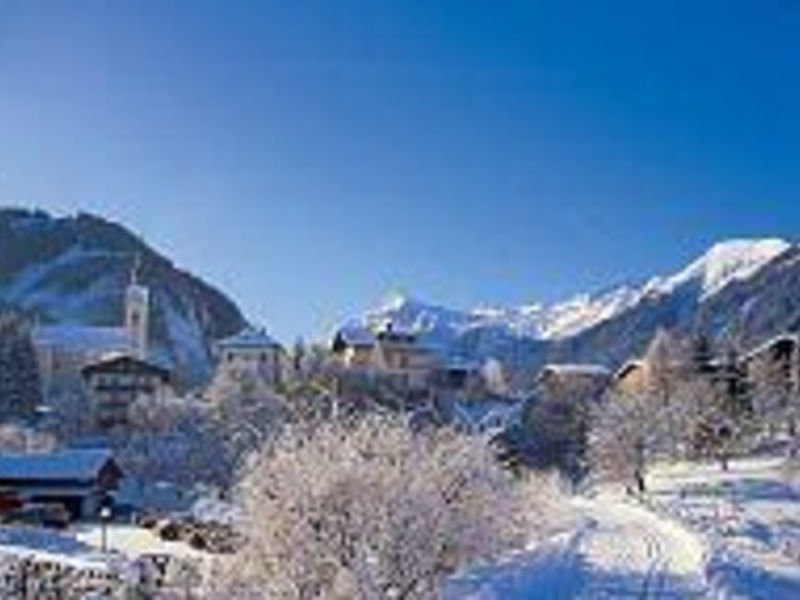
(310, 157)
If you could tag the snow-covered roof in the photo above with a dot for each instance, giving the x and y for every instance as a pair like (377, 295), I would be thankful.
(248, 338)
(576, 369)
(459, 363)
(628, 366)
(115, 360)
(83, 338)
(70, 464)
(389, 326)
(356, 335)
(783, 337)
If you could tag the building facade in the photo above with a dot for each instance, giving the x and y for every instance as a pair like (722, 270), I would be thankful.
(252, 353)
(115, 383)
(62, 350)
(81, 480)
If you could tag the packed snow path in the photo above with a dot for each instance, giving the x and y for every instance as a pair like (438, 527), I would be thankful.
(619, 550)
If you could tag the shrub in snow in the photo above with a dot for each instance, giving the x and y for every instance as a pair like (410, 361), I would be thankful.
(15, 437)
(372, 510)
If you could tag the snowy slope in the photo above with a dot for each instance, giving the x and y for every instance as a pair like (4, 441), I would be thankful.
(74, 270)
(699, 533)
(722, 264)
(616, 549)
(749, 517)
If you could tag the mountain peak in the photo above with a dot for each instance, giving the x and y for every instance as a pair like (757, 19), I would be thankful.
(723, 263)
(728, 261)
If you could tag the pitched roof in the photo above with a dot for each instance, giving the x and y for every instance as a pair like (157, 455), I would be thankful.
(113, 360)
(790, 338)
(248, 338)
(577, 369)
(628, 366)
(70, 464)
(82, 338)
(356, 335)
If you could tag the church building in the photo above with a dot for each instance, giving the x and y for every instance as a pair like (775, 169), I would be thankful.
(64, 349)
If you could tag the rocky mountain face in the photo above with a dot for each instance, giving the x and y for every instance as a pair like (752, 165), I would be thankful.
(74, 270)
(743, 289)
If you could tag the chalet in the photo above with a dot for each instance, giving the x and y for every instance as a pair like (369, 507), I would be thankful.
(403, 359)
(459, 375)
(114, 383)
(775, 361)
(581, 381)
(772, 371)
(385, 354)
(79, 479)
(631, 379)
(354, 345)
(250, 352)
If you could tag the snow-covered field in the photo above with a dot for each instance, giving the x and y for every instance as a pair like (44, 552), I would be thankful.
(749, 517)
(42, 563)
(132, 542)
(699, 533)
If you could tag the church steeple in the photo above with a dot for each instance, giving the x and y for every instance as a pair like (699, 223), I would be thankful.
(137, 311)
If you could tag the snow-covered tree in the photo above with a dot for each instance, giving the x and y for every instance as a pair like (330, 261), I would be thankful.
(625, 437)
(495, 376)
(372, 510)
(555, 429)
(15, 437)
(726, 423)
(667, 363)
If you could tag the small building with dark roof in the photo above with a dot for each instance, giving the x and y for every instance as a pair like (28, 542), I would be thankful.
(580, 381)
(79, 479)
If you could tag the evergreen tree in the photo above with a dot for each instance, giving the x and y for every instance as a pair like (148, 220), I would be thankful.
(702, 353)
(20, 390)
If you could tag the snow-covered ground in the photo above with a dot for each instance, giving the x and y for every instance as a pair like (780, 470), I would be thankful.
(616, 550)
(132, 542)
(700, 533)
(749, 517)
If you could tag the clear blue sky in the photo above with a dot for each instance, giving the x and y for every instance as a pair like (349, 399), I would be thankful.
(309, 157)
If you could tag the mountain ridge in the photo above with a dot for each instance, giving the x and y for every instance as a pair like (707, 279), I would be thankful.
(579, 328)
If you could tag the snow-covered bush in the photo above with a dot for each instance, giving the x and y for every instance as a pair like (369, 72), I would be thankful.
(16, 437)
(372, 510)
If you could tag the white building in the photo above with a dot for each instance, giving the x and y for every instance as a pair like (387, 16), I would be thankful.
(389, 354)
(250, 353)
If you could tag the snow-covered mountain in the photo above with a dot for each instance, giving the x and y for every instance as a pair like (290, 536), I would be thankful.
(73, 270)
(575, 329)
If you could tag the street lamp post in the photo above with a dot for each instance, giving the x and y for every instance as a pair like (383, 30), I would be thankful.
(105, 517)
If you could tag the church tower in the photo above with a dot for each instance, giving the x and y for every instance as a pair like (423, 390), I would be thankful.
(137, 313)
